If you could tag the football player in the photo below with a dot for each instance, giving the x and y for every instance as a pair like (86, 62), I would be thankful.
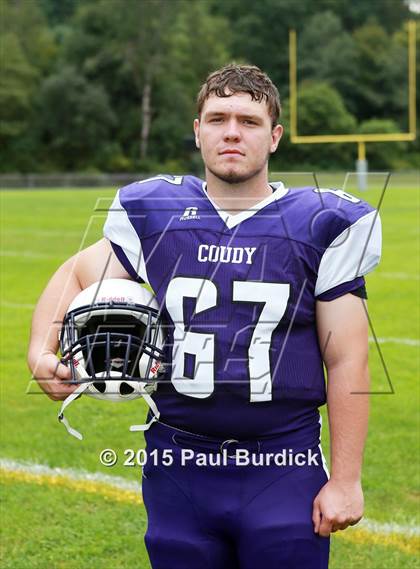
(260, 285)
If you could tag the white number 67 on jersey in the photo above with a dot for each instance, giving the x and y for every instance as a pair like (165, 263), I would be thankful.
(201, 345)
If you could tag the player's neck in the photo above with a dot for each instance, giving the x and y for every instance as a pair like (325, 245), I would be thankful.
(234, 198)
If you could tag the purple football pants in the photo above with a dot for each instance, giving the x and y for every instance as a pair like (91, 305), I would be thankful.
(228, 516)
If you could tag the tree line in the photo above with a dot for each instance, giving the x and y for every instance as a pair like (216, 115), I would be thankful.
(110, 85)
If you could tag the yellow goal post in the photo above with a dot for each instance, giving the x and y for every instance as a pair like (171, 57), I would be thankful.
(360, 139)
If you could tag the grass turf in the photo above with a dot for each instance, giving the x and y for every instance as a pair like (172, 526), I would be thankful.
(40, 229)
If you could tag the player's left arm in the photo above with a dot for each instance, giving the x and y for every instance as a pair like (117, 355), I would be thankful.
(343, 335)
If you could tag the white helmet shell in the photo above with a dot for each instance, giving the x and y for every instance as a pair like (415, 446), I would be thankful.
(113, 300)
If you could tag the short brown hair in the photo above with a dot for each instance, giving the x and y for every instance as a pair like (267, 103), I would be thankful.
(241, 79)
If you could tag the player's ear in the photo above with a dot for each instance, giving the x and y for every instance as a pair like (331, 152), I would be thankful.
(197, 132)
(276, 135)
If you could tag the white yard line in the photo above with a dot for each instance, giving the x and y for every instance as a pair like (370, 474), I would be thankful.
(18, 305)
(28, 255)
(397, 276)
(401, 341)
(388, 528)
(119, 483)
(116, 482)
(43, 233)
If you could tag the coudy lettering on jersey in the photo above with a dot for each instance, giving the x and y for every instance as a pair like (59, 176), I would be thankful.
(225, 254)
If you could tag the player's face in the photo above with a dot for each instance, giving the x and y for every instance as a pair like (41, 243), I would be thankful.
(236, 137)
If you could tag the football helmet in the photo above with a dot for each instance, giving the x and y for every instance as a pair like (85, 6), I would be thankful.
(112, 341)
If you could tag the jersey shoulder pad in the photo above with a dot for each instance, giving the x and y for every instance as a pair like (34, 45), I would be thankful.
(328, 212)
(149, 206)
(160, 186)
(347, 231)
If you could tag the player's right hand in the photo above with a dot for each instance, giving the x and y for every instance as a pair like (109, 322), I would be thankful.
(52, 376)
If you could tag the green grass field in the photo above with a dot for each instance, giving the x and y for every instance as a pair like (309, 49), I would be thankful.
(48, 525)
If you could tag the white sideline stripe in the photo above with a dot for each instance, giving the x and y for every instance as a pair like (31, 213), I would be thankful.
(28, 255)
(403, 341)
(398, 276)
(43, 233)
(8, 304)
(117, 482)
(41, 469)
(387, 528)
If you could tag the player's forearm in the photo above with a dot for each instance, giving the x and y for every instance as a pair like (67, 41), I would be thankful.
(50, 311)
(348, 412)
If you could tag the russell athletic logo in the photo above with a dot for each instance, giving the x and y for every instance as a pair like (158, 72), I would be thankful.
(189, 213)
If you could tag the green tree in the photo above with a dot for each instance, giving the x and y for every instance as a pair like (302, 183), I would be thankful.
(28, 50)
(75, 120)
(150, 58)
(382, 69)
(326, 52)
(27, 21)
(16, 87)
(143, 61)
(383, 154)
(259, 32)
(58, 12)
(196, 46)
(389, 14)
(127, 41)
(320, 111)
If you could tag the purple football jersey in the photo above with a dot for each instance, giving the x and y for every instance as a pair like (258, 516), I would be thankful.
(239, 293)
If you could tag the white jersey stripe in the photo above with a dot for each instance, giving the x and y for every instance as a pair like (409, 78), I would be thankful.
(119, 229)
(342, 261)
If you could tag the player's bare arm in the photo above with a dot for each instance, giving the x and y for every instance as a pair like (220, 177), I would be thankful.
(343, 335)
(77, 273)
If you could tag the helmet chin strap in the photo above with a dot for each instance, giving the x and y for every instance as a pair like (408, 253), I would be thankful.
(81, 372)
(153, 409)
(82, 375)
